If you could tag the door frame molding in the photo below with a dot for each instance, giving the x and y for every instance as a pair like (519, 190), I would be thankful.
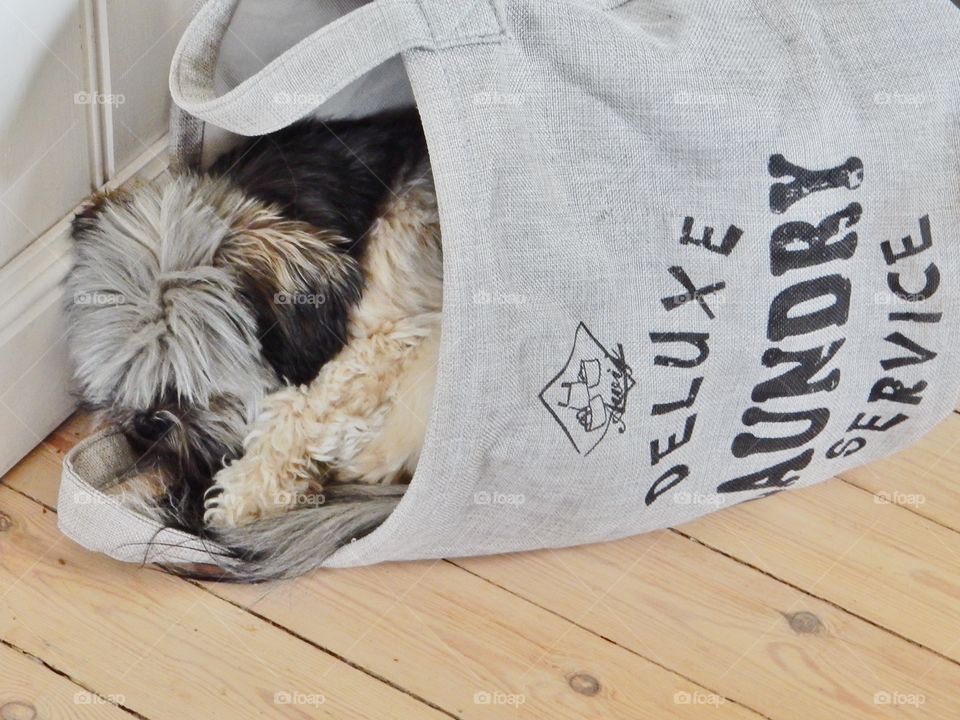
(35, 395)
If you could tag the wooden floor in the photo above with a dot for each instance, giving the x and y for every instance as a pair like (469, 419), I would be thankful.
(837, 602)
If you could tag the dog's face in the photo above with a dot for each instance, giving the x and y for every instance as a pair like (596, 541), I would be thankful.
(187, 302)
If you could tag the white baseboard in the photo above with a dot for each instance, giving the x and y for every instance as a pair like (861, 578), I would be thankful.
(34, 373)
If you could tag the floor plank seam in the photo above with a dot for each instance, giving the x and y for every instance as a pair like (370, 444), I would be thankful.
(29, 497)
(831, 603)
(612, 642)
(263, 618)
(315, 644)
(328, 651)
(70, 679)
(902, 507)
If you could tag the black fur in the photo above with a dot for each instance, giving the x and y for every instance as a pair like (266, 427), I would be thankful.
(336, 176)
(297, 338)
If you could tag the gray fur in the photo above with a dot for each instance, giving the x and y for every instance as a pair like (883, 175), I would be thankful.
(298, 541)
(153, 324)
(148, 309)
(177, 330)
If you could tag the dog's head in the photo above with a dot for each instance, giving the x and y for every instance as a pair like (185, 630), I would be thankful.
(188, 301)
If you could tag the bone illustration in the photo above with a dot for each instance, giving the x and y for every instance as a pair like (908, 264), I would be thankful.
(806, 182)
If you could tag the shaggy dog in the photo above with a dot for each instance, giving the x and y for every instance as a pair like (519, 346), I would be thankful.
(266, 334)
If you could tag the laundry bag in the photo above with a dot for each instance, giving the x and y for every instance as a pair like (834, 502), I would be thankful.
(694, 253)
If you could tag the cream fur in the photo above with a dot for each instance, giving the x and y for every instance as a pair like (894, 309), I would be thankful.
(365, 415)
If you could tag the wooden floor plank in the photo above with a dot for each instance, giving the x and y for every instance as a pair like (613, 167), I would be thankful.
(28, 689)
(163, 644)
(72, 431)
(719, 627)
(485, 643)
(737, 631)
(37, 476)
(924, 478)
(880, 561)
(480, 642)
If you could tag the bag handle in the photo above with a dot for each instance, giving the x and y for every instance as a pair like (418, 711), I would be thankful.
(317, 67)
(100, 522)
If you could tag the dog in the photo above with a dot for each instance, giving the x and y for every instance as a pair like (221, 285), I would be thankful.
(266, 333)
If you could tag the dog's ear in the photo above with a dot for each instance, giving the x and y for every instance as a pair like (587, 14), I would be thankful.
(86, 218)
(300, 282)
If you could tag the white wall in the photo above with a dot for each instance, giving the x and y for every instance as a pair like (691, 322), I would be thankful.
(45, 160)
(83, 104)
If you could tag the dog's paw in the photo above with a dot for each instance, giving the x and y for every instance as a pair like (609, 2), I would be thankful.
(226, 505)
(237, 498)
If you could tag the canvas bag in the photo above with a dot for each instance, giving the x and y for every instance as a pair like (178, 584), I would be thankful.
(262, 30)
(694, 253)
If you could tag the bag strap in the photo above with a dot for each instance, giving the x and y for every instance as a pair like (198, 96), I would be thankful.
(317, 67)
(100, 522)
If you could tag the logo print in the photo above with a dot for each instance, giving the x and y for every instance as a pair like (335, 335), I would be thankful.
(589, 395)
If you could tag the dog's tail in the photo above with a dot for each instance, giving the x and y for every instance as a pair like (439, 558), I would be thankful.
(300, 540)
